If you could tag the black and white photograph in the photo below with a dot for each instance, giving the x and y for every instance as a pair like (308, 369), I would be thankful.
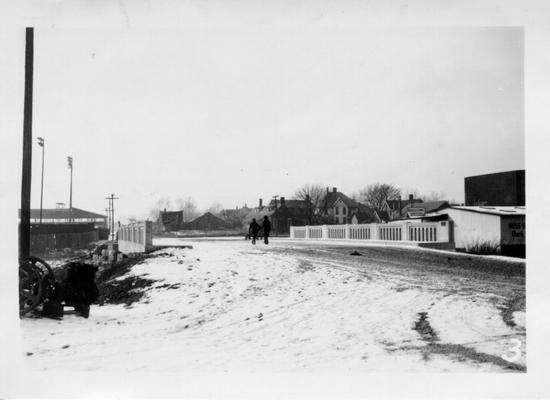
(291, 196)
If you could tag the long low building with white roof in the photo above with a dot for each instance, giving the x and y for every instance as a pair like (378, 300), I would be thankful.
(491, 226)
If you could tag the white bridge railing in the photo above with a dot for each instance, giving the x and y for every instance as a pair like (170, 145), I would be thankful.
(136, 237)
(403, 231)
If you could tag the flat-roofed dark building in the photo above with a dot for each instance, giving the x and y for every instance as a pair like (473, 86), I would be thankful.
(499, 189)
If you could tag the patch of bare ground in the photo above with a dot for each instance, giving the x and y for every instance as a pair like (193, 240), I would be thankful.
(463, 353)
(127, 290)
(456, 351)
(423, 327)
(304, 266)
(119, 269)
(511, 305)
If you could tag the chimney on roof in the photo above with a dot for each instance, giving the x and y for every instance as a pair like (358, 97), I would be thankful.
(307, 198)
(261, 203)
(328, 190)
(411, 199)
(333, 190)
(164, 209)
(282, 201)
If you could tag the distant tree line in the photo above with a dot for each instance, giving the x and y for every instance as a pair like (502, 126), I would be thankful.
(372, 195)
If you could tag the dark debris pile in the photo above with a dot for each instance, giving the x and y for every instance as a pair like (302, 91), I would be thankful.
(122, 291)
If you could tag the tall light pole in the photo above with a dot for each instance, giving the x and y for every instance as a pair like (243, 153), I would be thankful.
(41, 144)
(70, 165)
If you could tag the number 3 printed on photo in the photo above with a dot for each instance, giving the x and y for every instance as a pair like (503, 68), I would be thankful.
(515, 350)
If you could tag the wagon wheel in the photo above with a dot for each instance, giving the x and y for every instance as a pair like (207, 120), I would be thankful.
(35, 278)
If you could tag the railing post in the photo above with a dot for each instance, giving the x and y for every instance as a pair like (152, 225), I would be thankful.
(442, 232)
(324, 232)
(374, 231)
(148, 234)
(307, 231)
(347, 234)
(292, 232)
(405, 231)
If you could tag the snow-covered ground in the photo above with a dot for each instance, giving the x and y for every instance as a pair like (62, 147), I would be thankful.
(284, 307)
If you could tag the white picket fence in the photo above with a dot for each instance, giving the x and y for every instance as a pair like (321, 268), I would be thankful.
(402, 231)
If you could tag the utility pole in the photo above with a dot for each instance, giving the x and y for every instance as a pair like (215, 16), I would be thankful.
(25, 223)
(108, 213)
(112, 199)
(275, 200)
(70, 165)
(41, 144)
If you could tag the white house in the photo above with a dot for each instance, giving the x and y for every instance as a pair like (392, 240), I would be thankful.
(341, 209)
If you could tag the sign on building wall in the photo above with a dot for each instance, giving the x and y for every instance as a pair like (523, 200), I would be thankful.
(512, 231)
(414, 212)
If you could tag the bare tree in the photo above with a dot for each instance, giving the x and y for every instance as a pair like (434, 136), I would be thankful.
(406, 192)
(189, 208)
(160, 205)
(154, 212)
(375, 194)
(316, 194)
(215, 209)
(187, 205)
(434, 196)
(355, 196)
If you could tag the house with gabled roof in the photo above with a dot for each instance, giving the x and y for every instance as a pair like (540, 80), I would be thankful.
(258, 213)
(289, 212)
(234, 218)
(394, 207)
(341, 209)
(206, 222)
(282, 213)
(366, 215)
(171, 220)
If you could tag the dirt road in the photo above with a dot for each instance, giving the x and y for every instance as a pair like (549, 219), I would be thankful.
(460, 284)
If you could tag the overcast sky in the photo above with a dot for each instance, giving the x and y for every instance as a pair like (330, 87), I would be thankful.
(236, 113)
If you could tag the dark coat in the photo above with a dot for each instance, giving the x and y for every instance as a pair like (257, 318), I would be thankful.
(267, 226)
(254, 228)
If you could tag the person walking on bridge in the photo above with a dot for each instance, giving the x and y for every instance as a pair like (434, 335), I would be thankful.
(253, 230)
(266, 225)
